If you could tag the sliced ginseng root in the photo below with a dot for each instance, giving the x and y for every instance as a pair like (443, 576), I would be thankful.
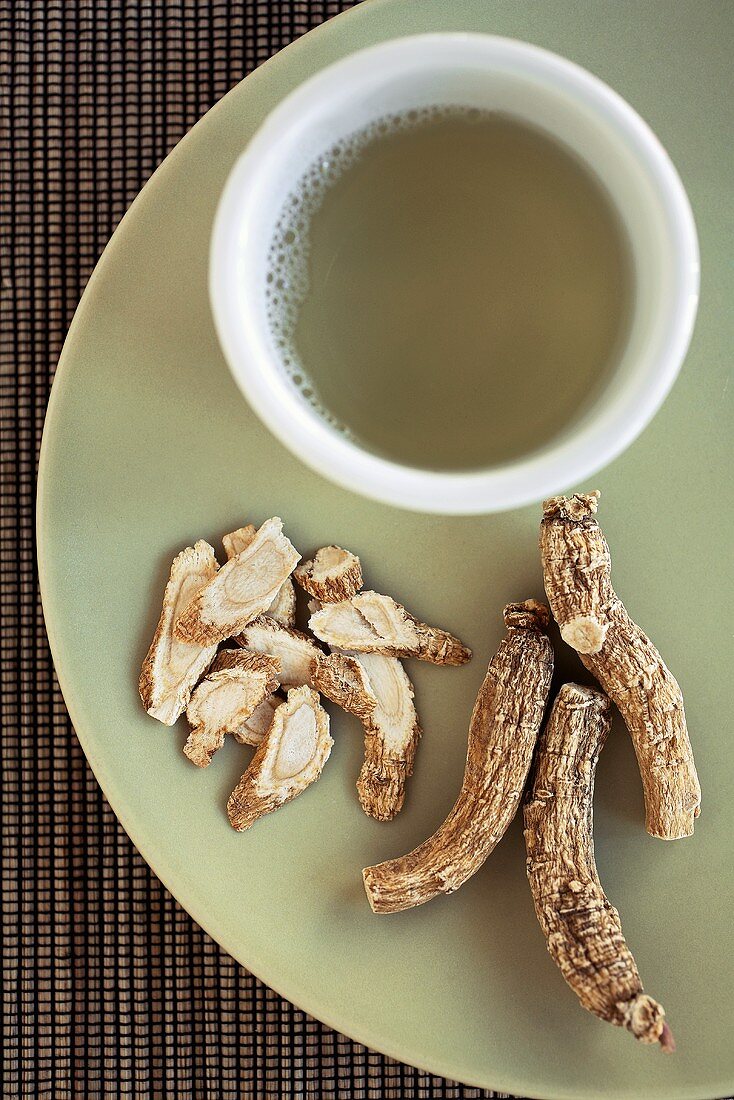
(343, 680)
(243, 588)
(237, 541)
(283, 607)
(390, 738)
(172, 667)
(254, 728)
(377, 690)
(289, 760)
(295, 651)
(593, 620)
(582, 928)
(332, 575)
(502, 734)
(372, 623)
(236, 684)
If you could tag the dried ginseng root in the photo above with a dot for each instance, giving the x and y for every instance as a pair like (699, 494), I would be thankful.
(254, 728)
(243, 588)
(502, 734)
(283, 607)
(373, 623)
(236, 684)
(172, 667)
(289, 760)
(295, 651)
(342, 679)
(332, 575)
(377, 690)
(390, 738)
(593, 620)
(237, 541)
(581, 927)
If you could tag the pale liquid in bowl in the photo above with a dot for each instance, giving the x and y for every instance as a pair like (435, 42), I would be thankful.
(450, 288)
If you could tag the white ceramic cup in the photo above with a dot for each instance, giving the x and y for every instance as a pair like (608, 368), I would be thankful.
(500, 74)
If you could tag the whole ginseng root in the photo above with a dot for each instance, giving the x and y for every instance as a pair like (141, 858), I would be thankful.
(502, 734)
(581, 927)
(594, 621)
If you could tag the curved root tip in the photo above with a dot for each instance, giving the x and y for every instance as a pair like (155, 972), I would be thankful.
(381, 792)
(585, 633)
(667, 1042)
(371, 897)
(645, 1018)
(239, 821)
(529, 615)
(671, 822)
(575, 507)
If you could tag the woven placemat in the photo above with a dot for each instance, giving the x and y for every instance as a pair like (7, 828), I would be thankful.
(109, 988)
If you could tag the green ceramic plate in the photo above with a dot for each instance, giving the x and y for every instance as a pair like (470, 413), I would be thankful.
(149, 445)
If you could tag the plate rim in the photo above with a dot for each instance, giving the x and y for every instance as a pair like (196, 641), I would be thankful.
(289, 989)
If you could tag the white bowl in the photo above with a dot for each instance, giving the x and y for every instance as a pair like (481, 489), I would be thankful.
(491, 73)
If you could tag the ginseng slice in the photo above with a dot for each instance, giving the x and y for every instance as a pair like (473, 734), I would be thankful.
(342, 679)
(173, 667)
(242, 589)
(255, 727)
(332, 575)
(295, 651)
(378, 691)
(283, 607)
(373, 623)
(391, 737)
(236, 684)
(237, 541)
(289, 760)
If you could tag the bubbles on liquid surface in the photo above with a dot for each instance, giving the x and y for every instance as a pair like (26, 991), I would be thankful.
(287, 279)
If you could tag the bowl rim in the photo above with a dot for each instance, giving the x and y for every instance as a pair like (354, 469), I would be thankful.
(607, 430)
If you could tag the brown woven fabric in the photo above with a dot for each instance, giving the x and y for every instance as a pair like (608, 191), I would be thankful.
(109, 989)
